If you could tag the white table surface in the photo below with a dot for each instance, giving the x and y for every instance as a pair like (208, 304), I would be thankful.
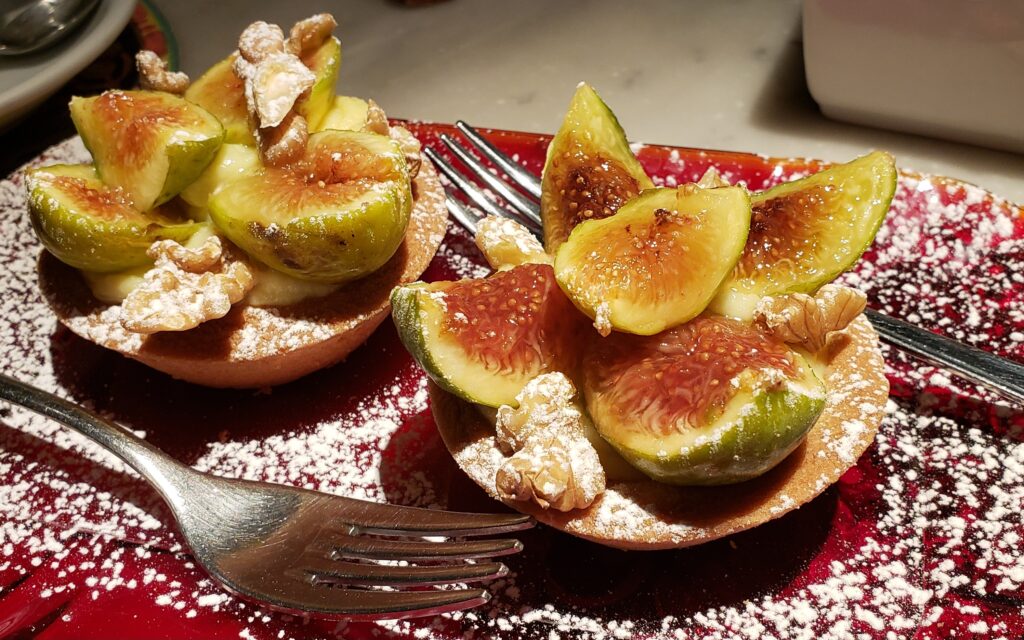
(718, 75)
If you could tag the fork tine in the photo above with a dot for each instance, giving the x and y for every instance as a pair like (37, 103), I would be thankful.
(466, 220)
(513, 169)
(357, 574)
(521, 204)
(465, 185)
(462, 214)
(373, 604)
(370, 548)
(389, 519)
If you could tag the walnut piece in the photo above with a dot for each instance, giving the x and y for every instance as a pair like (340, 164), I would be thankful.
(307, 35)
(376, 119)
(410, 147)
(273, 85)
(154, 75)
(603, 319)
(185, 288)
(274, 79)
(712, 179)
(551, 461)
(284, 143)
(810, 322)
(506, 243)
(260, 40)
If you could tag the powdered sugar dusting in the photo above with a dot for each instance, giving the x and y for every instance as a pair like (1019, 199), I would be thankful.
(920, 540)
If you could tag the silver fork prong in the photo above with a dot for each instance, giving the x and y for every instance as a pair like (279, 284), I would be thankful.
(375, 604)
(370, 574)
(344, 545)
(513, 169)
(479, 198)
(470, 225)
(519, 202)
(462, 214)
(395, 520)
(253, 538)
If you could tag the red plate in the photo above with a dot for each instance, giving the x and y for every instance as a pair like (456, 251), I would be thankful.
(922, 539)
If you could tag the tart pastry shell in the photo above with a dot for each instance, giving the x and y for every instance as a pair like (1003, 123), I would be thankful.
(648, 515)
(261, 346)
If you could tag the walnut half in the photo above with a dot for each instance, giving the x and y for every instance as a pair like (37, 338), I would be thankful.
(552, 463)
(154, 75)
(185, 288)
(307, 35)
(810, 322)
(275, 78)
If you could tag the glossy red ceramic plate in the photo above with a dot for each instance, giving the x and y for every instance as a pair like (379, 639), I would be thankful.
(922, 539)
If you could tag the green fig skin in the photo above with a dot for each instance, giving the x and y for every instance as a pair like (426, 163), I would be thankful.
(221, 92)
(806, 232)
(475, 365)
(658, 262)
(335, 216)
(590, 171)
(149, 144)
(325, 62)
(90, 226)
(714, 401)
(772, 426)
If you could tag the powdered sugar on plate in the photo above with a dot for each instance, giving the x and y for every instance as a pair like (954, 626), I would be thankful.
(921, 539)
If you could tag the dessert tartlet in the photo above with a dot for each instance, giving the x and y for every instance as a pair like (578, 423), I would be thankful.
(673, 364)
(242, 230)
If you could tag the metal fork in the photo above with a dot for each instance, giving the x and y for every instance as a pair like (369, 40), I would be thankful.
(1000, 374)
(300, 551)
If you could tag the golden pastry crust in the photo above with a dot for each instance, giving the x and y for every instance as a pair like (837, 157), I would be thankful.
(647, 515)
(260, 346)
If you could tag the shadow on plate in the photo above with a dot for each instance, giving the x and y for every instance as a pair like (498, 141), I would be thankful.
(571, 573)
(182, 418)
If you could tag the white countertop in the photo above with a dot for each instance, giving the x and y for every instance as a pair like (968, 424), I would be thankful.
(719, 75)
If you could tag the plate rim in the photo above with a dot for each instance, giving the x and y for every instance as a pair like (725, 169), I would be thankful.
(92, 39)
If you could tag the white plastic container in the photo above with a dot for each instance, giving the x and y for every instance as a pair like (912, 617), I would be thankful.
(945, 68)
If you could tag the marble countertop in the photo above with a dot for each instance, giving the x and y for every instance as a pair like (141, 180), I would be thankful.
(720, 75)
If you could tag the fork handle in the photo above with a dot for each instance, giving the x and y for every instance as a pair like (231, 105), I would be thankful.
(987, 369)
(159, 469)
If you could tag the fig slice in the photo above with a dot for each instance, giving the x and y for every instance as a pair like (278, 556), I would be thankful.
(805, 233)
(233, 161)
(346, 114)
(222, 93)
(590, 170)
(713, 401)
(337, 214)
(659, 261)
(324, 62)
(91, 226)
(484, 339)
(148, 143)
